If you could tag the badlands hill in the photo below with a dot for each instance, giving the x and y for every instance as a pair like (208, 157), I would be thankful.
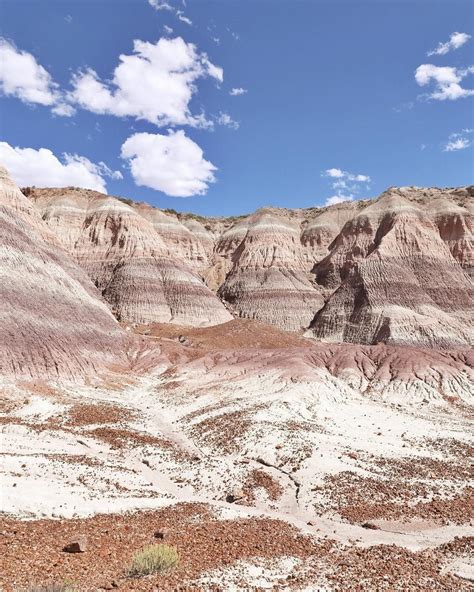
(286, 397)
(396, 269)
(53, 319)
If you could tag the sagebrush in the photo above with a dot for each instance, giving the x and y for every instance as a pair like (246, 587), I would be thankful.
(153, 559)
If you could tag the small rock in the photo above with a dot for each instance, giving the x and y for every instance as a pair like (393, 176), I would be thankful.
(234, 495)
(370, 526)
(77, 546)
(162, 534)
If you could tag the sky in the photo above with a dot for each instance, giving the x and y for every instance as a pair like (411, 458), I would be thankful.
(220, 107)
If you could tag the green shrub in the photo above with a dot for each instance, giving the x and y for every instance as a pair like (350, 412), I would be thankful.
(153, 559)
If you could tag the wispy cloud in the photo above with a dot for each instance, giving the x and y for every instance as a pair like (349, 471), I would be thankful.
(459, 141)
(456, 40)
(406, 106)
(184, 19)
(165, 5)
(160, 5)
(347, 185)
(226, 120)
(235, 92)
(340, 174)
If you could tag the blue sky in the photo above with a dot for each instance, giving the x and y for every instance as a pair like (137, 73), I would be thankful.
(330, 86)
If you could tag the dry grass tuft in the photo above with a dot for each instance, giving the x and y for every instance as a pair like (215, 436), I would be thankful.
(153, 559)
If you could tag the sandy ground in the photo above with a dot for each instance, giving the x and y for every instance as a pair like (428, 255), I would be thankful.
(251, 434)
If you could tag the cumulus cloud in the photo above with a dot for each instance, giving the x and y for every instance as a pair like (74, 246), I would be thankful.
(459, 141)
(456, 40)
(41, 167)
(235, 92)
(172, 163)
(343, 182)
(446, 80)
(336, 199)
(21, 76)
(156, 83)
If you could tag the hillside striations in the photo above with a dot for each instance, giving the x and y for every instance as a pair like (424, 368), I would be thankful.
(395, 279)
(132, 259)
(397, 269)
(54, 323)
(249, 448)
(267, 279)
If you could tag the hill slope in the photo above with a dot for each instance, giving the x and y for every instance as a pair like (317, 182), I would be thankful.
(396, 269)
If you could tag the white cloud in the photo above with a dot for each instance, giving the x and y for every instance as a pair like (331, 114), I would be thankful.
(164, 5)
(226, 120)
(21, 76)
(160, 5)
(340, 174)
(168, 30)
(342, 182)
(336, 199)
(456, 40)
(406, 106)
(335, 173)
(172, 163)
(235, 35)
(155, 83)
(183, 18)
(235, 92)
(446, 79)
(459, 141)
(41, 167)
(458, 144)
(63, 109)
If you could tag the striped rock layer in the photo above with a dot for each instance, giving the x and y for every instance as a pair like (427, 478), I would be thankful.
(139, 259)
(397, 269)
(53, 322)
